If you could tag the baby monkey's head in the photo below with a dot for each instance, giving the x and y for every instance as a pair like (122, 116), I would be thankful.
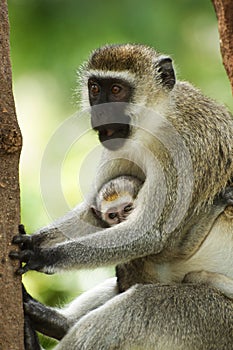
(116, 199)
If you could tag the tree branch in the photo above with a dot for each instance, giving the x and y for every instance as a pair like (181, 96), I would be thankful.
(11, 311)
(224, 12)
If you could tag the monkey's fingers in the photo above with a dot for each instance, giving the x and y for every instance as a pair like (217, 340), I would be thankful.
(17, 239)
(33, 260)
(22, 256)
(22, 230)
(22, 270)
(227, 195)
(23, 241)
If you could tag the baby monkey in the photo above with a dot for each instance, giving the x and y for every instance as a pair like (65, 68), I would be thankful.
(116, 199)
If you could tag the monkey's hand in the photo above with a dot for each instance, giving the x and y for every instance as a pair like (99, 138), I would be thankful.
(226, 196)
(29, 252)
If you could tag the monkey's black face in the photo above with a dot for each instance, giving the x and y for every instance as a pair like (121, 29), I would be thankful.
(109, 98)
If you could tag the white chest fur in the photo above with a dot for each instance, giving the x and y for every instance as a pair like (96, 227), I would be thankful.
(214, 255)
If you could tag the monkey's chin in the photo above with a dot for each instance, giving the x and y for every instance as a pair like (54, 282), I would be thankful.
(113, 144)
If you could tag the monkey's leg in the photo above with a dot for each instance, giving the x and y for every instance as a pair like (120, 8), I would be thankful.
(216, 280)
(90, 300)
(55, 323)
(31, 341)
(157, 317)
(44, 319)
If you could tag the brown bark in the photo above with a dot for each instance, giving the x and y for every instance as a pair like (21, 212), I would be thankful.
(224, 12)
(11, 319)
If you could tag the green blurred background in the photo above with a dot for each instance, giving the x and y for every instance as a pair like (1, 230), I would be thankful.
(49, 41)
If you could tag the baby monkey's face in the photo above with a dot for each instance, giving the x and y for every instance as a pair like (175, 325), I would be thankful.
(117, 210)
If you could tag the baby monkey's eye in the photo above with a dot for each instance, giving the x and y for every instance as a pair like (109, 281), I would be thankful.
(112, 215)
(128, 208)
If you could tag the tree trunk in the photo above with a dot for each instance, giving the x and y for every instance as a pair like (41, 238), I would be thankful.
(224, 12)
(11, 311)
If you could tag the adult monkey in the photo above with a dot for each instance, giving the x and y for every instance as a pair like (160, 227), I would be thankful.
(173, 116)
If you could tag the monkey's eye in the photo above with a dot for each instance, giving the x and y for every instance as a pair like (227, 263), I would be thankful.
(94, 88)
(116, 89)
(128, 208)
(112, 216)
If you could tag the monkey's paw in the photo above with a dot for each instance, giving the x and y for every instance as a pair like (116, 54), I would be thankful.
(28, 253)
(196, 277)
(227, 195)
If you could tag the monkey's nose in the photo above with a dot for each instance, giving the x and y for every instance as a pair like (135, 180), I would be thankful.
(121, 218)
(109, 132)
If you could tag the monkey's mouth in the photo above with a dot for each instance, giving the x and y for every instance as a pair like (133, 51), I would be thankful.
(113, 136)
(112, 124)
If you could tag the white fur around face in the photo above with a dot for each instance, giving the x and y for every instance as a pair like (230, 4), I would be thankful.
(123, 75)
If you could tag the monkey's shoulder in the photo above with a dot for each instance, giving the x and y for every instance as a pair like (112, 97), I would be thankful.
(189, 99)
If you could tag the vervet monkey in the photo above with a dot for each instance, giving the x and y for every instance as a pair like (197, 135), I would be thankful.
(116, 199)
(179, 144)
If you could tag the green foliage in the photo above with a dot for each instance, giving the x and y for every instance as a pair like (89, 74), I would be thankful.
(49, 40)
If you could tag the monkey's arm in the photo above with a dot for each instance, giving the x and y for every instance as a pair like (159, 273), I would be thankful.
(131, 239)
(216, 280)
(79, 221)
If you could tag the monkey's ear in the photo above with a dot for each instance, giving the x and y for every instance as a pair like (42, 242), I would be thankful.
(96, 212)
(166, 72)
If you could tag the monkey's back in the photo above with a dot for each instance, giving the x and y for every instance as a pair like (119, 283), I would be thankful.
(207, 130)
